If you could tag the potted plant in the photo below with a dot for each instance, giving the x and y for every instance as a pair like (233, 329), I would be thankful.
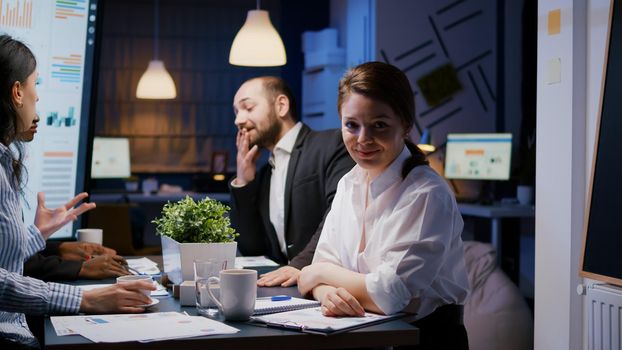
(194, 230)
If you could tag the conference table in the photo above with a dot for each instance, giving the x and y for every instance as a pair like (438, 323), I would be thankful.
(391, 333)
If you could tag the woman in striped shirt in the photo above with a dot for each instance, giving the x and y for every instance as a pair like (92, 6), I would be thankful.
(21, 295)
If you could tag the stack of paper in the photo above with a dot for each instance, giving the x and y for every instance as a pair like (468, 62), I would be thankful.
(312, 320)
(143, 266)
(253, 261)
(138, 327)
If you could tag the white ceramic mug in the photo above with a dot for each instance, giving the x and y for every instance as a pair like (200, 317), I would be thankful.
(93, 235)
(238, 291)
(131, 278)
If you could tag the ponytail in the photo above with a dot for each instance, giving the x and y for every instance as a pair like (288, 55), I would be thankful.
(417, 157)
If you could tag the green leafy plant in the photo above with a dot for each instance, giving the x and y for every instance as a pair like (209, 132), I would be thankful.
(187, 221)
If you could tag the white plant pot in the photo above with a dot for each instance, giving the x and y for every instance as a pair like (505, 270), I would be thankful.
(179, 257)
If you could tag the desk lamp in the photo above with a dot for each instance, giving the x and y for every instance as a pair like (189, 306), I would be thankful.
(425, 142)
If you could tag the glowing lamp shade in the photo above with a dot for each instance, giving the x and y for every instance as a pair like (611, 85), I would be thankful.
(425, 142)
(257, 44)
(156, 82)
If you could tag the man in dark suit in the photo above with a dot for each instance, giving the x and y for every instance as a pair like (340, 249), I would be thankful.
(278, 210)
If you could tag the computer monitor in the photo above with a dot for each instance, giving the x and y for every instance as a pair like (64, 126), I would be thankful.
(111, 158)
(478, 156)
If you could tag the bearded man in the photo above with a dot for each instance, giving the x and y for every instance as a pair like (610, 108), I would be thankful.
(279, 209)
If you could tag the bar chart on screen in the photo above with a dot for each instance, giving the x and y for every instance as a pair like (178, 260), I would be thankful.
(70, 10)
(66, 69)
(16, 14)
(58, 177)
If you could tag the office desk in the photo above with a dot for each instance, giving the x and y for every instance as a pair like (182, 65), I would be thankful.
(496, 213)
(391, 333)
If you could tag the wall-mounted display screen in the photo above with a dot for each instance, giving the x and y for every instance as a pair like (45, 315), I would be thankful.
(62, 36)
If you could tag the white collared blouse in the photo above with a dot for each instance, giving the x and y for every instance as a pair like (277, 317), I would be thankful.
(413, 259)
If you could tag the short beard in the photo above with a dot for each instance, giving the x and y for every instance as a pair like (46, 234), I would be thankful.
(269, 137)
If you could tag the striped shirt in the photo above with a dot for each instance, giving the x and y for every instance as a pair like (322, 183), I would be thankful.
(19, 294)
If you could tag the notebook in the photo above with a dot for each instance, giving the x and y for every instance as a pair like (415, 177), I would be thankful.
(311, 320)
(269, 305)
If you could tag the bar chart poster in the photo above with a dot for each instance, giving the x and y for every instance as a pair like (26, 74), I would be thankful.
(57, 31)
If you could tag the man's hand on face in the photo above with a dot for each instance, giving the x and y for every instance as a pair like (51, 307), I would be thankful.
(246, 158)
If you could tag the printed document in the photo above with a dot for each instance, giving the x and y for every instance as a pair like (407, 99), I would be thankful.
(139, 327)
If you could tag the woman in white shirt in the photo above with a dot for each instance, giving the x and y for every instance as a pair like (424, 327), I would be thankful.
(391, 241)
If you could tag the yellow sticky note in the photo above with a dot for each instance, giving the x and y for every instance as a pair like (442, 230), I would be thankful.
(555, 18)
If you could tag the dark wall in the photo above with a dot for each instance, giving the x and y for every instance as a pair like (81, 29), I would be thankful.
(296, 18)
(179, 136)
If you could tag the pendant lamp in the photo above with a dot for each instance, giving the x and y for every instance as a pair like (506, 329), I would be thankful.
(425, 142)
(257, 44)
(156, 82)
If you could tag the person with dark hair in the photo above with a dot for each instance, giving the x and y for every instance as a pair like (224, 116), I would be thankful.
(21, 295)
(279, 209)
(391, 241)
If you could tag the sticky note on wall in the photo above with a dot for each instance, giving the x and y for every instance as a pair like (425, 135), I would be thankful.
(554, 22)
(554, 71)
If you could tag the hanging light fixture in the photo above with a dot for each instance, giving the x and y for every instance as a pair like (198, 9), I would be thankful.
(425, 142)
(257, 44)
(156, 82)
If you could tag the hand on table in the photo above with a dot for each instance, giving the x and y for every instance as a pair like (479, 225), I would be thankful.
(83, 250)
(338, 302)
(104, 266)
(124, 297)
(285, 276)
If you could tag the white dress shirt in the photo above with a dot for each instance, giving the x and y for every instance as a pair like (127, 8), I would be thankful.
(413, 258)
(279, 159)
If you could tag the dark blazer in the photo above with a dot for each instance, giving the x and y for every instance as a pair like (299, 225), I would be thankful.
(48, 266)
(318, 161)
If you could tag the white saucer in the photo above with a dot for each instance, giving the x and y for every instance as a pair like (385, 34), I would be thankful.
(154, 301)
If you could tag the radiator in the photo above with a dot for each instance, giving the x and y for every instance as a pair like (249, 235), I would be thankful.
(604, 315)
